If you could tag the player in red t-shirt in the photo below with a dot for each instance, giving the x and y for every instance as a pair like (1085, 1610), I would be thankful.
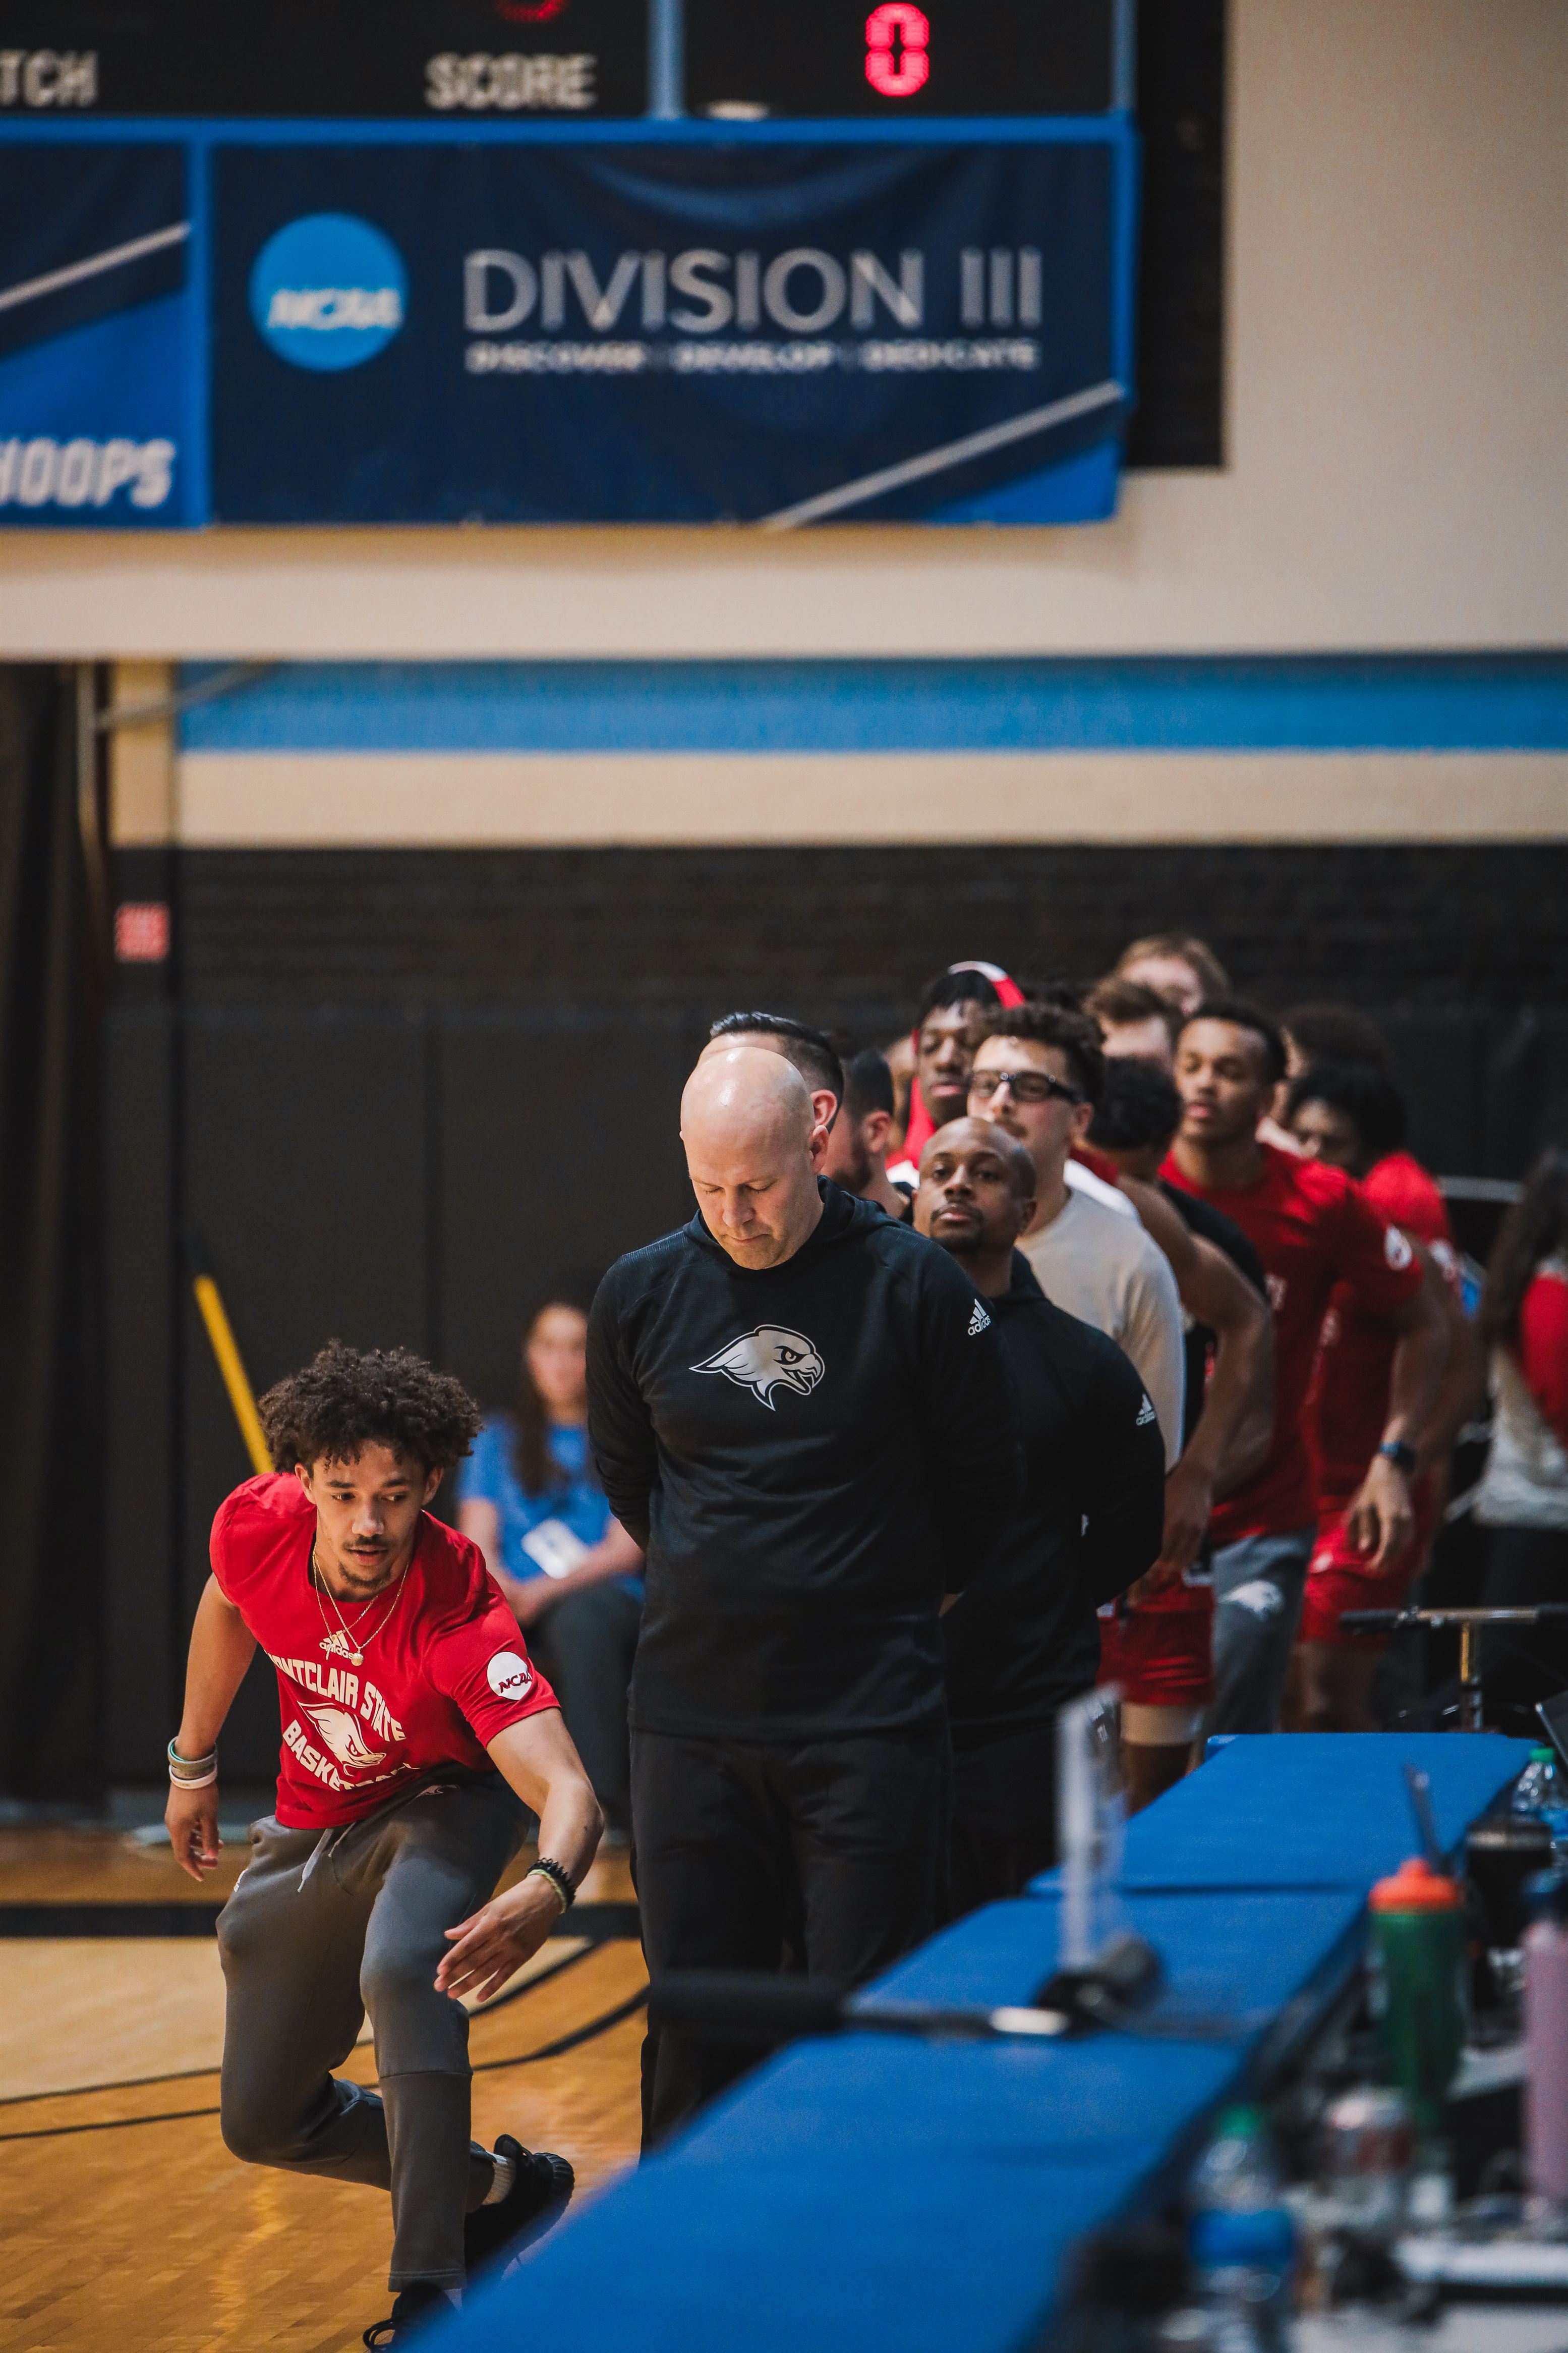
(415, 1733)
(1351, 1116)
(1312, 1229)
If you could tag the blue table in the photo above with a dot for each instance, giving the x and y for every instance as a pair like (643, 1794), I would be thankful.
(1315, 1809)
(872, 2192)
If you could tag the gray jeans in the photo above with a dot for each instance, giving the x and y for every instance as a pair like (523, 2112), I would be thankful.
(1258, 1588)
(325, 1929)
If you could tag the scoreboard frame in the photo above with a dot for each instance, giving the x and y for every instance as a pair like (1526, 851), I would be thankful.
(68, 89)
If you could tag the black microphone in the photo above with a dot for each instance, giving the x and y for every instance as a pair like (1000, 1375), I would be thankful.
(765, 2009)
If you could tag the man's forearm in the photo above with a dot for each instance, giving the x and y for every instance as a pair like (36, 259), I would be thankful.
(222, 1648)
(1237, 1423)
(1416, 1377)
(1463, 1378)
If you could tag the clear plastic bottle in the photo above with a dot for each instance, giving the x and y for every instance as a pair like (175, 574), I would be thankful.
(1546, 2044)
(1242, 2236)
(1541, 1795)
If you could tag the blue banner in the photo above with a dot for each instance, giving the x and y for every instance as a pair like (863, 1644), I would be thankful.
(777, 334)
(662, 325)
(97, 360)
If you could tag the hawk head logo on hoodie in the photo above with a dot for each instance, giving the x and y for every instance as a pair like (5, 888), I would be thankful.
(767, 1359)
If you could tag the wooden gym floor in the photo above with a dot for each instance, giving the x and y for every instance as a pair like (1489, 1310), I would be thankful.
(127, 2222)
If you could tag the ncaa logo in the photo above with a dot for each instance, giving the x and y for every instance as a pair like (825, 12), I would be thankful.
(509, 1676)
(327, 292)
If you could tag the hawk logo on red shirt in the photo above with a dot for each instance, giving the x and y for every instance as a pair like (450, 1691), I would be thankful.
(341, 1733)
(768, 1358)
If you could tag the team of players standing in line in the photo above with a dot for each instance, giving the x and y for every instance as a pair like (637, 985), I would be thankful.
(1228, 1199)
(1174, 1383)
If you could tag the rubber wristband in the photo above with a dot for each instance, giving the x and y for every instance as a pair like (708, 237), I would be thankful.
(185, 1781)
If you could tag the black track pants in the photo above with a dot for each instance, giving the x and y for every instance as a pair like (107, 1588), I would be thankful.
(826, 1853)
(1004, 1820)
(585, 1644)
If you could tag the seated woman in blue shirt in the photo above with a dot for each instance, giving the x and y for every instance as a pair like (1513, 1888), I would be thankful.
(528, 1497)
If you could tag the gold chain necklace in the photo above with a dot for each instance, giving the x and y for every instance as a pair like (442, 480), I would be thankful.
(357, 1642)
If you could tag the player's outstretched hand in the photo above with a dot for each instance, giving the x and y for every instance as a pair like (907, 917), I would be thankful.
(192, 1819)
(491, 1944)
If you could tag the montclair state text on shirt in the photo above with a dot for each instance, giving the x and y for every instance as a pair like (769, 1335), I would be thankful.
(340, 1683)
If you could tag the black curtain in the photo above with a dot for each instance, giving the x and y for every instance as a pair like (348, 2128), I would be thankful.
(51, 1420)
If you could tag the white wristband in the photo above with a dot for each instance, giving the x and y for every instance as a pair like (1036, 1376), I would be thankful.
(179, 1781)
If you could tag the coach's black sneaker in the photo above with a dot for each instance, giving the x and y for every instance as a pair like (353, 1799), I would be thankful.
(420, 2301)
(539, 2194)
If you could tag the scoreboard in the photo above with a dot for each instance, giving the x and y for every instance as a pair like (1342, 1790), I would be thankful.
(893, 58)
(563, 60)
(326, 59)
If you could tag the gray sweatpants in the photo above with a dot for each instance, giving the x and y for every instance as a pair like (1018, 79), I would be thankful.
(325, 1929)
(1258, 1585)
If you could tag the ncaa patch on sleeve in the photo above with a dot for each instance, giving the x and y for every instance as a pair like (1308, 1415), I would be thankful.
(510, 1677)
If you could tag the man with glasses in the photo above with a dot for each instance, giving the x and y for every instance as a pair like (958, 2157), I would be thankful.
(1036, 1075)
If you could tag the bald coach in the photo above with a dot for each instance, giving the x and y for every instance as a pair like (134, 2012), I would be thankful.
(802, 1411)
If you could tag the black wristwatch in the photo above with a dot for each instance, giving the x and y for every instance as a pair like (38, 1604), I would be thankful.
(1401, 1454)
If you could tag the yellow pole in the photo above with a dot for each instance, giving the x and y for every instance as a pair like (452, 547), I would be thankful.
(231, 1365)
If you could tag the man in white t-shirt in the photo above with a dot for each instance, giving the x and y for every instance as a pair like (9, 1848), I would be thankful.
(1036, 1076)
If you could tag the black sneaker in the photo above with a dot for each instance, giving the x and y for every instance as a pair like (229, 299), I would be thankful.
(538, 2196)
(421, 2300)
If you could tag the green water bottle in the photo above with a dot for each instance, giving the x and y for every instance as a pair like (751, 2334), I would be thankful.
(1419, 1992)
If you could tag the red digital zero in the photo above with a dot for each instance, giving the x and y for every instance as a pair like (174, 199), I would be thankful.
(897, 48)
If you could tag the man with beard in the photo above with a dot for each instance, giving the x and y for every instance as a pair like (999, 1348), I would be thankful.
(1022, 1639)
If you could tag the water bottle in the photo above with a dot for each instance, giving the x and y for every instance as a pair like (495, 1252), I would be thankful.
(1242, 2236)
(1546, 2043)
(1541, 1795)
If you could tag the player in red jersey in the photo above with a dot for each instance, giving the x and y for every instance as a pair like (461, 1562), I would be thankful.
(415, 1733)
(1312, 1229)
(1352, 1117)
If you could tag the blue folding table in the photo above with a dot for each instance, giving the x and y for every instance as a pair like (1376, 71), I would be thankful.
(872, 2191)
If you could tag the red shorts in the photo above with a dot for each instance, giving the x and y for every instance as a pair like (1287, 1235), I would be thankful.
(1161, 1657)
(1338, 1577)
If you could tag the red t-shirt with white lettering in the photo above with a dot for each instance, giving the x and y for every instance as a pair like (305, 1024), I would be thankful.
(1347, 1409)
(1312, 1227)
(444, 1670)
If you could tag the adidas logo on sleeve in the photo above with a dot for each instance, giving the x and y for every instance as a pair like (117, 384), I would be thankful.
(1145, 1415)
(979, 1322)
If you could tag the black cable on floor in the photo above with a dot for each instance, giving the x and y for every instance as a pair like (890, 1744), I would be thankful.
(184, 2074)
(556, 2050)
(566, 2042)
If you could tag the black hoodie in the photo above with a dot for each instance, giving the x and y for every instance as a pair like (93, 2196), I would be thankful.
(1022, 1638)
(811, 1454)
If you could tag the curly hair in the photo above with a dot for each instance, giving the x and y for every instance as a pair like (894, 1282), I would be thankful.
(348, 1398)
